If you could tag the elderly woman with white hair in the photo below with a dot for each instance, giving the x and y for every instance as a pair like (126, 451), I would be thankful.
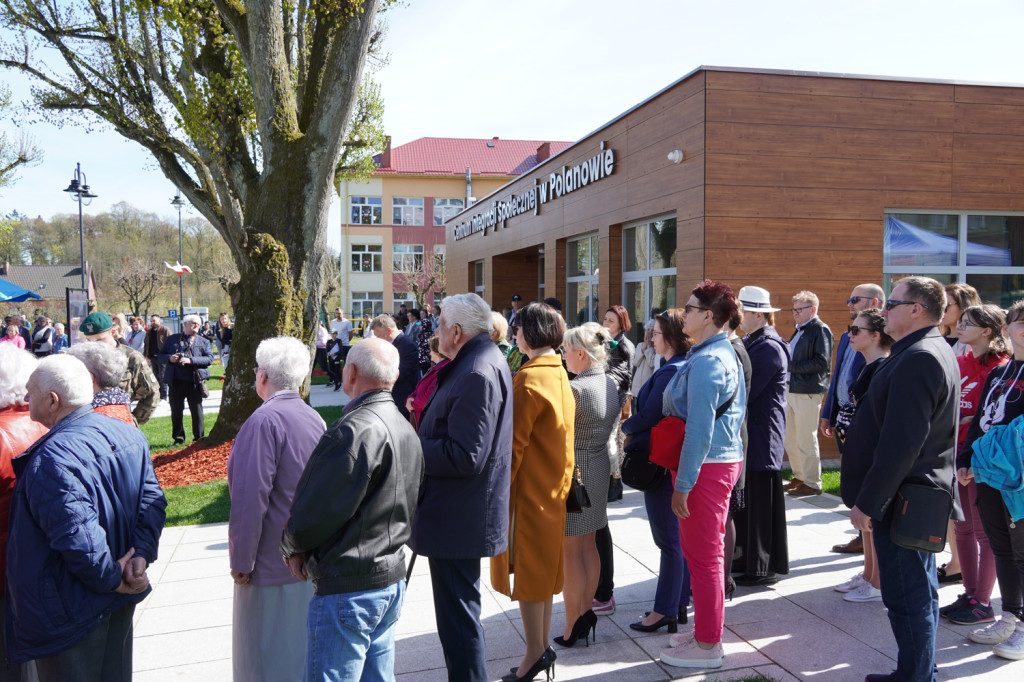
(107, 366)
(17, 433)
(187, 357)
(264, 468)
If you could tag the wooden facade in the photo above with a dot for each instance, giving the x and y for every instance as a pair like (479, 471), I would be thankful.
(784, 185)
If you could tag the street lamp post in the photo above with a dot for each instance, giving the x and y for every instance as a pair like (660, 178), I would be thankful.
(178, 203)
(79, 191)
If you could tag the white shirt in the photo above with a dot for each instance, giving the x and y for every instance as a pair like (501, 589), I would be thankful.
(344, 328)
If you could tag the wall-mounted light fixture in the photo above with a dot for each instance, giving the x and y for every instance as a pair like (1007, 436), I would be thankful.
(676, 156)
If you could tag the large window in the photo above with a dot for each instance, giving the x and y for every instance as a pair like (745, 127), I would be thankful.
(407, 258)
(366, 210)
(367, 303)
(445, 209)
(648, 271)
(581, 281)
(406, 211)
(367, 258)
(984, 249)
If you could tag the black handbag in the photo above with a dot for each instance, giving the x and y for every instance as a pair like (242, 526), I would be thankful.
(640, 473)
(920, 517)
(578, 498)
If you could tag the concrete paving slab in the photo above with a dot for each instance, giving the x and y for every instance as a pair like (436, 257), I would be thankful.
(798, 629)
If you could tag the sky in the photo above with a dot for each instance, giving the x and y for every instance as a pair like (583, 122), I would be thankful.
(559, 69)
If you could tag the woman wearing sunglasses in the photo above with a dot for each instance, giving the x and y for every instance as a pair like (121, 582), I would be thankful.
(867, 337)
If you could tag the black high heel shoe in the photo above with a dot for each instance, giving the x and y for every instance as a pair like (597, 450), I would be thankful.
(730, 587)
(546, 664)
(683, 619)
(671, 621)
(581, 628)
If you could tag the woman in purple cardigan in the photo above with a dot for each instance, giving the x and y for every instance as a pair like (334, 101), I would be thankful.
(264, 468)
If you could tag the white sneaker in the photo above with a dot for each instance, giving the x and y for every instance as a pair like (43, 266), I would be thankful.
(691, 655)
(1013, 647)
(995, 633)
(851, 584)
(865, 592)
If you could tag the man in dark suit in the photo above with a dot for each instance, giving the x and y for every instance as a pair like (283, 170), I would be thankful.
(463, 515)
(155, 338)
(844, 373)
(384, 327)
(904, 431)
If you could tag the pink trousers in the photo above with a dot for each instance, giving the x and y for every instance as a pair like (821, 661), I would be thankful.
(977, 563)
(702, 535)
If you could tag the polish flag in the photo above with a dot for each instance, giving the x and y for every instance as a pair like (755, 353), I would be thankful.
(178, 268)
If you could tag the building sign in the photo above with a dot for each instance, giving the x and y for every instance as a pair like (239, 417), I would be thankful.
(556, 185)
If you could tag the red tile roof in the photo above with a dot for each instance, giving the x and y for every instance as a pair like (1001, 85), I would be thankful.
(451, 156)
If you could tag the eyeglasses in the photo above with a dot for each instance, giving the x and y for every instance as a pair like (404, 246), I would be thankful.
(964, 324)
(854, 329)
(514, 328)
(892, 303)
(656, 333)
(796, 310)
(687, 308)
(256, 370)
(853, 299)
(950, 305)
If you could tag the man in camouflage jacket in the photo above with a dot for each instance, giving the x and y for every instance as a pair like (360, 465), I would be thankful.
(139, 380)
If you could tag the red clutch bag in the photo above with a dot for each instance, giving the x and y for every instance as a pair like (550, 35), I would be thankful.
(667, 442)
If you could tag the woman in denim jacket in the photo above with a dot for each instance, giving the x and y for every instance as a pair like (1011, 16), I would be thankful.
(709, 465)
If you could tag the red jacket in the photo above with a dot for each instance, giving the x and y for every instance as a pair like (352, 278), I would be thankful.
(972, 380)
(17, 433)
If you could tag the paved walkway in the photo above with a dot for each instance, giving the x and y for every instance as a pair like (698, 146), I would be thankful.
(800, 629)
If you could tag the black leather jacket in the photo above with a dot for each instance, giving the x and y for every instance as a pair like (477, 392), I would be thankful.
(354, 504)
(811, 364)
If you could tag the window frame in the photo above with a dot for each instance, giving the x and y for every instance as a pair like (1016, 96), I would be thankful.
(398, 211)
(376, 258)
(366, 206)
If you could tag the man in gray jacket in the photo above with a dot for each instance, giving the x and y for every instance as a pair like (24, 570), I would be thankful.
(352, 513)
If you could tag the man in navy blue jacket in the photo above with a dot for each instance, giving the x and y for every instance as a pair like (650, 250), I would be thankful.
(86, 518)
(466, 431)
(844, 374)
(188, 357)
(384, 327)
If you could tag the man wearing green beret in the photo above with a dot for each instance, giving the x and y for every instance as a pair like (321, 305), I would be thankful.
(139, 381)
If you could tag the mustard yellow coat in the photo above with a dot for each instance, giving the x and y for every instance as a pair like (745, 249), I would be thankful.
(543, 414)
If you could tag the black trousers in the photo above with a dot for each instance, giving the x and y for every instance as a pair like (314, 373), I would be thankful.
(105, 655)
(181, 391)
(1007, 541)
(456, 584)
(761, 526)
(606, 580)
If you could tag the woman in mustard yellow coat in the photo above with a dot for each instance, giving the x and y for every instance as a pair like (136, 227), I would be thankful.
(543, 414)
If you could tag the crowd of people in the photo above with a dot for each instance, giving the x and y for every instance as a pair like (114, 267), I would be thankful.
(472, 434)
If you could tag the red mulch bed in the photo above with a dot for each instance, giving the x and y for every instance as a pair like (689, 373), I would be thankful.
(196, 463)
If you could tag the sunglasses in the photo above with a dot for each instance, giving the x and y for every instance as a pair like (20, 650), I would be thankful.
(853, 299)
(854, 329)
(687, 308)
(892, 303)
(514, 328)
(796, 310)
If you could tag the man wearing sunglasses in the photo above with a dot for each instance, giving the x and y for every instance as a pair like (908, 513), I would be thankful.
(905, 432)
(809, 371)
(844, 373)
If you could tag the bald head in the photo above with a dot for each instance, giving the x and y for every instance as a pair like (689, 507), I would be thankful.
(371, 365)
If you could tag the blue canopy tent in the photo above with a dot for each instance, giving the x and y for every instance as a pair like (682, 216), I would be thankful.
(908, 245)
(14, 293)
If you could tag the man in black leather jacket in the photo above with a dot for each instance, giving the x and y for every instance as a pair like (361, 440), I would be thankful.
(809, 373)
(352, 513)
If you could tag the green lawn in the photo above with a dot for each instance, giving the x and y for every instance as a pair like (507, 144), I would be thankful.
(203, 502)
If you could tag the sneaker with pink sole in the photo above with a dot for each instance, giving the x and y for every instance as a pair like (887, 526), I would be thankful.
(603, 608)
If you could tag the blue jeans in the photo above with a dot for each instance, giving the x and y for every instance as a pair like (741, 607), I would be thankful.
(352, 635)
(673, 591)
(910, 590)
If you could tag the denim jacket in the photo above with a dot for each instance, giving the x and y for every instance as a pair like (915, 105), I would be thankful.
(705, 382)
